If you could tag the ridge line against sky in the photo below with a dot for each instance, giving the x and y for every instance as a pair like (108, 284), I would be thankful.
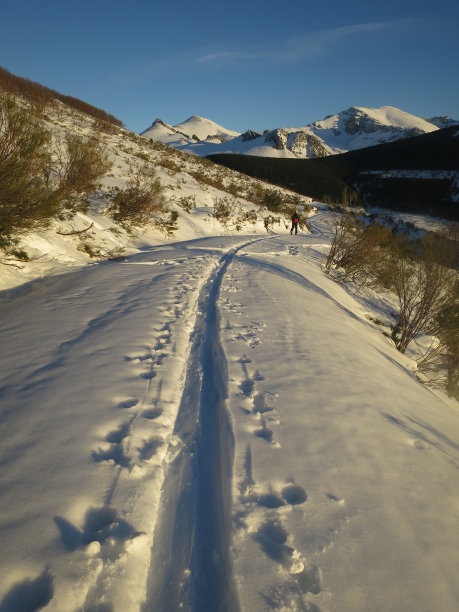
(257, 65)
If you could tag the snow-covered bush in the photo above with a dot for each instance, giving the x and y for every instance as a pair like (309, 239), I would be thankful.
(80, 166)
(40, 179)
(141, 201)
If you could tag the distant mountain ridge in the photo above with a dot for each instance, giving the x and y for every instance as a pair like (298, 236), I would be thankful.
(349, 130)
(418, 174)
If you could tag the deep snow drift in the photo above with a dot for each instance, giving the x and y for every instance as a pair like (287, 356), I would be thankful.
(216, 425)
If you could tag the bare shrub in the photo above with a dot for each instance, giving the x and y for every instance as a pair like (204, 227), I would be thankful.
(106, 127)
(26, 199)
(423, 277)
(169, 164)
(424, 285)
(345, 231)
(358, 249)
(349, 197)
(169, 224)
(233, 188)
(441, 359)
(201, 176)
(273, 200)
(222, 209)
(80, 166)
(451, 234)
(141, 201)
(250, 216)
(188, 203)
(269, 221)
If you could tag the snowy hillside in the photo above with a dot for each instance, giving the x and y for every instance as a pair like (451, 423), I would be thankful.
(197, 418)
(354, 128)
(193, 188)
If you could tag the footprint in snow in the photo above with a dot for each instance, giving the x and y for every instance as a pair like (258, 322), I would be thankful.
(152, 413)
(264, 432)
(246, 387)
(275, 542)
(294, 494)
(149, 448)
(272, 538)
(101, 525)
(291, 495)
(29, 595)
(259, 404)
(115, 451)
(129, 403)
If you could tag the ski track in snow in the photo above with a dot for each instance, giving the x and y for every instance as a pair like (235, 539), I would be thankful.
(191, 568)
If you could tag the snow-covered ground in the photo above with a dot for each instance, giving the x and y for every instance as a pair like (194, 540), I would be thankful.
(214, 424)
(209, 422)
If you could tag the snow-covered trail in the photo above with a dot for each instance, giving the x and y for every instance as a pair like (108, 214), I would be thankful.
(216, 425)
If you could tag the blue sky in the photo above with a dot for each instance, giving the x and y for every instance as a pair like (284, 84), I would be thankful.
(253, 64)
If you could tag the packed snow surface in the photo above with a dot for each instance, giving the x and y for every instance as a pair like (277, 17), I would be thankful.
(216, 425)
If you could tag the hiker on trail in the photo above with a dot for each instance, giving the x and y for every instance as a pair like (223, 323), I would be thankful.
(295, 221)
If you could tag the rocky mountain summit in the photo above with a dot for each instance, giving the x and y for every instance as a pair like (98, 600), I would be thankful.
(443, 121)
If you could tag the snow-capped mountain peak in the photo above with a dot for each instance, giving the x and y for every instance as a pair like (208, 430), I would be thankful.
(361, 118)
(359, 127)
(354, 128)
(194, 129)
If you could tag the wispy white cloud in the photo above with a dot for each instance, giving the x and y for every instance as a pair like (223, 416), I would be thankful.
(221, 58)
(322, 41)
(310, 44)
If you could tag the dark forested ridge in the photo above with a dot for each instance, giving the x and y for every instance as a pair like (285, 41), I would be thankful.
(430, 185)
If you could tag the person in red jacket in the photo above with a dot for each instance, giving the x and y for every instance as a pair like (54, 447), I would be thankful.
(295, 221)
